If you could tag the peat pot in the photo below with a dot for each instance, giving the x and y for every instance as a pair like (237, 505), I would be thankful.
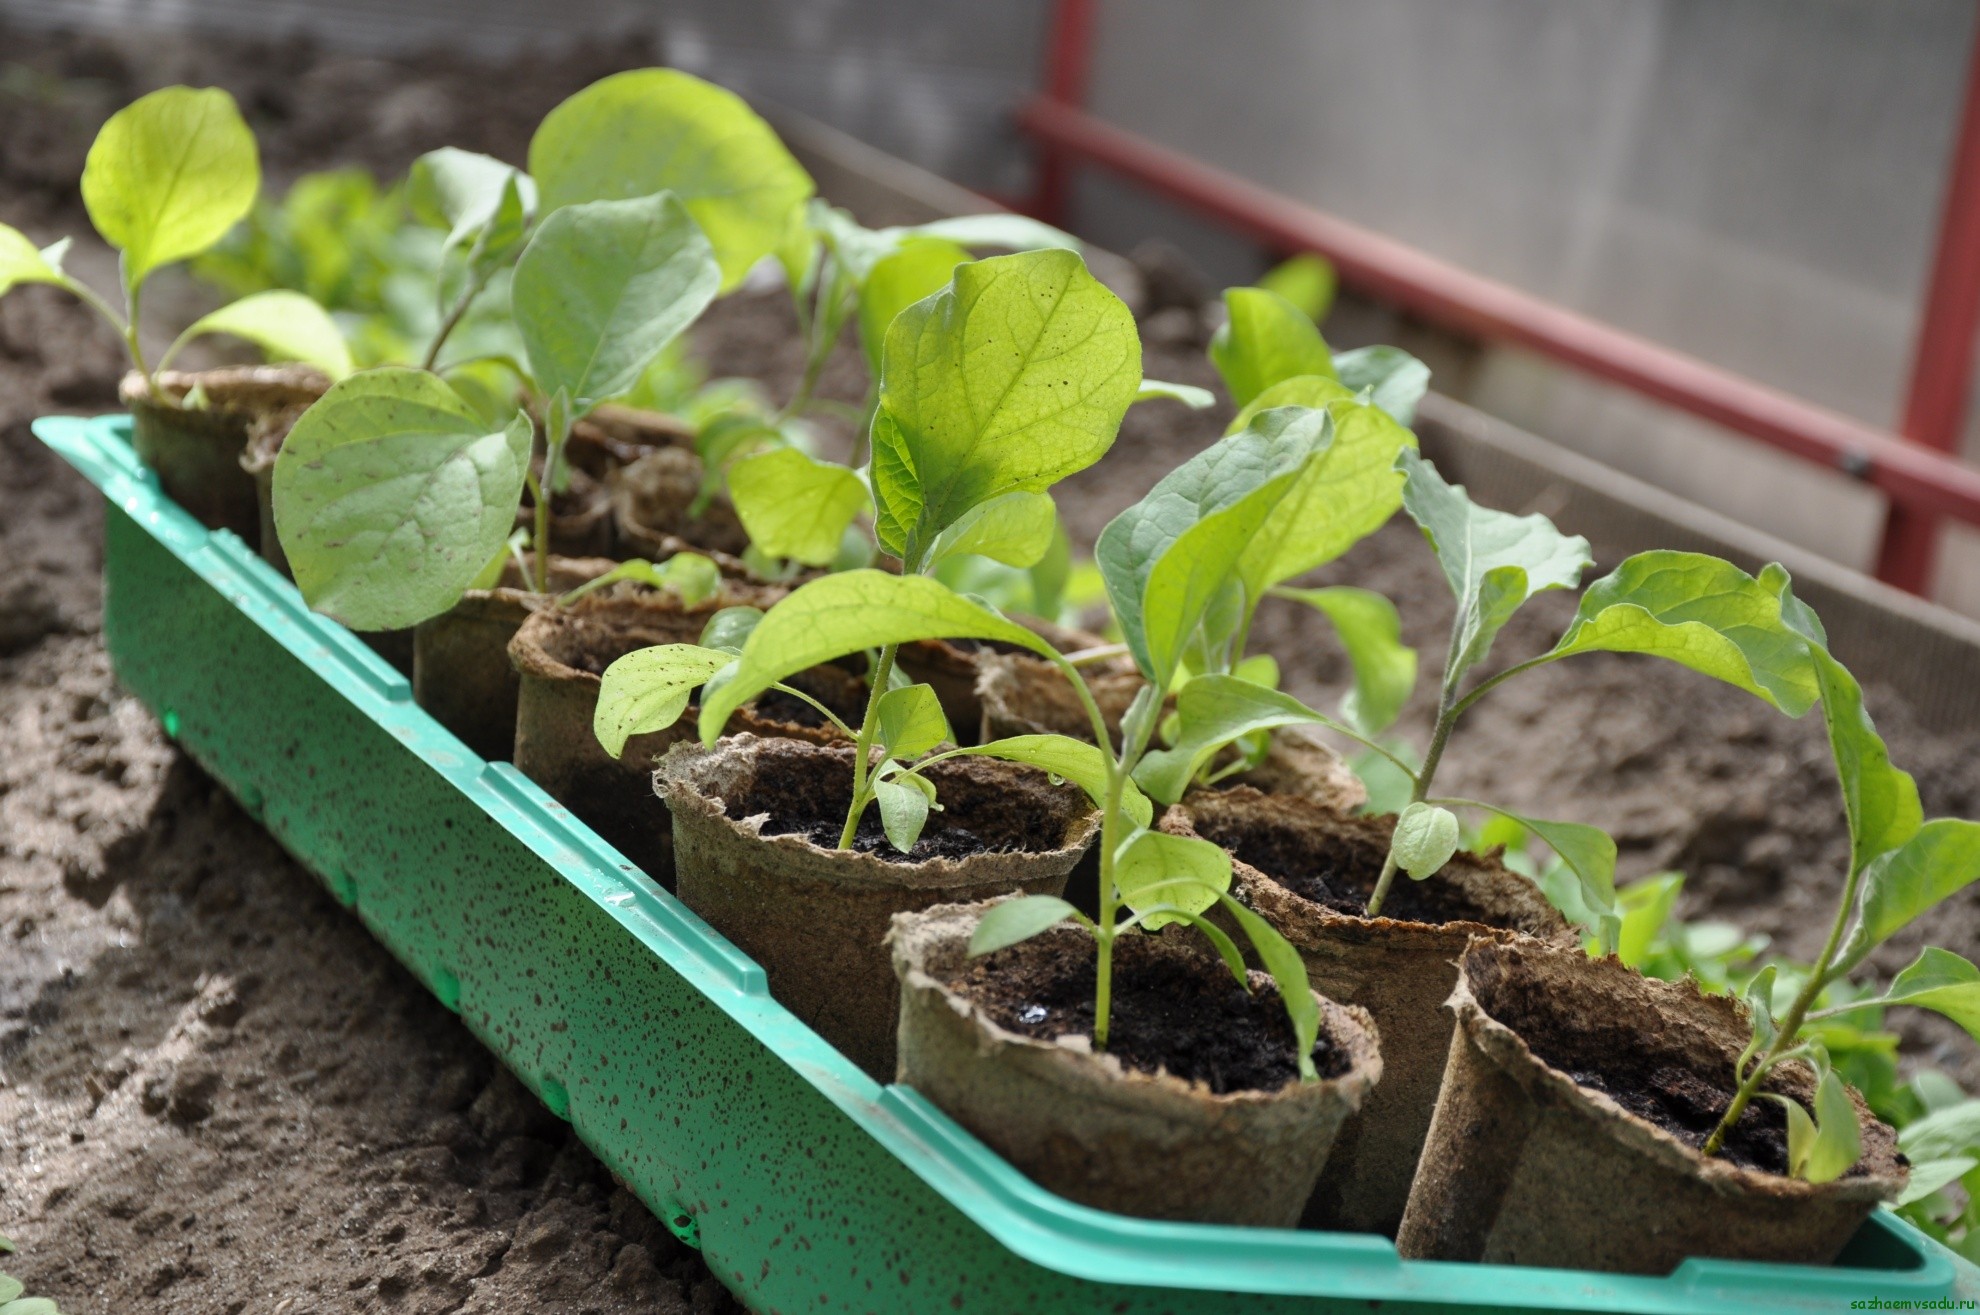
(1568, 1127)
(1196, 1111)
(197, 451)
(752, 821)
(560, 656)
(653, 512)
(1309, 871)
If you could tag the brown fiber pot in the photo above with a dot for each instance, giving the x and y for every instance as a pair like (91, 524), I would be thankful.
(816, 918)
(197, 453)
(1398, 968)
(560, 655)
(651, 501)
(1091, 1129)
(461, 670)
(1524, 1166)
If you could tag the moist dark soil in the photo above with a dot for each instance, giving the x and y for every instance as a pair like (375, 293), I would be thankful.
(1174, 1010)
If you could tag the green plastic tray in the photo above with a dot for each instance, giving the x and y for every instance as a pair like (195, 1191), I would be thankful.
(808, 1186)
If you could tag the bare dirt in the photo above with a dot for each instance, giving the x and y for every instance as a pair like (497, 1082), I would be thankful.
(218, 1094)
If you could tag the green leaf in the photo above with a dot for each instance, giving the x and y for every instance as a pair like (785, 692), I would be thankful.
(1196, 399)
(1154, 867)
(464, 192)
(903, 810)
(1933, 1176)
(729, 629)
(1306, 280)
(1016, 529)
(603, 287)
(21, 263)
(1646, 906)
(1941, 858)
(1349, 488)
(846, 613)
(1493, 560)
(1010, 379)
(1393, 379)
(653, 130)
(1837, 1143)
(30, 1306)
(1587, 850)
(1703, 613)
(649, 689)
(1759, 996)
(794, 505)
(1315, 390)
(921, 268)
(1881, 801)
(1168, 557)
(1266, 340)
(1371, 632)
(1012, 232)
(391, 494)
(911, 721)
(1942, 1134)
(1213, 711)
(10, 1288)
(1078, 761)
(169, 174)
(1941, 981)
(286, 325)
(691, 576)
(1425, 838)
(1288, 970)
(1009, 921)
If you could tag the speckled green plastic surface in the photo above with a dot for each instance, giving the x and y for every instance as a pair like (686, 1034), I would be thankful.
(808, 1186)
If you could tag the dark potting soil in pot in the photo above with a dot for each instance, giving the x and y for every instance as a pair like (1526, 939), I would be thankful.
(1180, 1013)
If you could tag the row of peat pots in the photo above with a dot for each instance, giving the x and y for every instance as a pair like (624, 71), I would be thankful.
(1486, 1090)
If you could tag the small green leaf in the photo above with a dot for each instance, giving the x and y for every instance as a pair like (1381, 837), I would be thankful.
(1646, 906)
(1266, 340)
(1371, 632)
(391, 494)
(1838, 1142)
(30, 1306)
(1154, 867)
(1168, 557)
(286, 325)
(1318, 391)
(1801, 1134)
(1941, 981)
(920, 268)
(1007, 922)
(21, 263)
(1944, 1133)
(1289, 973)
(1759, 996)
(729, 629)
(1425, 839)
(1589, 851)
(1196, 399)
(694, 577)
(1016, 529)
(903, 810)
(1011, 232)
(1881, 801)
(794, 505)
(603, 287)
(1703, 613)
(1078, 761)
(1008, 380)
(169, 174)
(10, 1288)
(1213, 711)
(911, 721)
(848, 612)
(1393, 379)
(1934, 1176)
(1942, 857)
(653, 130)
(464, 192)
(648, 690)
(1306, 280)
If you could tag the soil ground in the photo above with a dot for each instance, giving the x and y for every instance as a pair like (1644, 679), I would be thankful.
(217, 1094)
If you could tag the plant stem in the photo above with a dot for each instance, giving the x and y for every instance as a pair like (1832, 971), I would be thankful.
(540, 550)
(883, 671)
(448, 325)
(133, 291)
(1447, 716)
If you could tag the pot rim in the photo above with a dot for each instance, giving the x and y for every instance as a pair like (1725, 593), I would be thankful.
(135, 390)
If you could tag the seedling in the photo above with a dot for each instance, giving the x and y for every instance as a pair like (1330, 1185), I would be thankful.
(167, 176)
(1900, 867)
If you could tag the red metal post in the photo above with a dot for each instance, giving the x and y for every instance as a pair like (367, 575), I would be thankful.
(1935, 405)
(1924, 481)
(1068, 69)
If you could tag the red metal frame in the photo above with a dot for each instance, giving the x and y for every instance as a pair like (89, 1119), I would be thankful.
(1922, 484)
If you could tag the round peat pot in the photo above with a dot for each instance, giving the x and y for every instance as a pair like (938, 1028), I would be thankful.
(196, 451)
(560, 656)
(1196, 1112)
(1308, 871)
(1567, 1131)
(652, 512)
(752, 817)
(951, 666)
(615, 436)
(580, 517)
(461, 670)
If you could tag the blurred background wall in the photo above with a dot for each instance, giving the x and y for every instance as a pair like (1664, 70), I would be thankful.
(1754, 181)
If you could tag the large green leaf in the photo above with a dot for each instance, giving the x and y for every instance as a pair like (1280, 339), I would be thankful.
(1212, 711)
(603, 287)
(169, 174)
(1155, 868)
(1078, 761)
(794, 505)
(1265, 341)
(391, 494)
(1349, 488)
(1168, 557)
(1371, 632)
(1393, 379)
(286, 325)
(1010, 379)
(648, 690)
(1016, 529)
(1704, 613)
(1941, 858)
(1881, 800)
(846, 613)
(1493, 560)
(21, 263)
(921, 268)
(1941, 981)
(1588, 851)
(654, 130)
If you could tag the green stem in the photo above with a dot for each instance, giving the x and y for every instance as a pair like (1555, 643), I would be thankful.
(448, 325)
(1448, 708)
(540, 550)
(822, 710)
(1485, 686)
(883, 671)
(133, 291)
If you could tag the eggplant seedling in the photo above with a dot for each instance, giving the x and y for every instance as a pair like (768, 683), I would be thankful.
(165, 179)
(1900, 868)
